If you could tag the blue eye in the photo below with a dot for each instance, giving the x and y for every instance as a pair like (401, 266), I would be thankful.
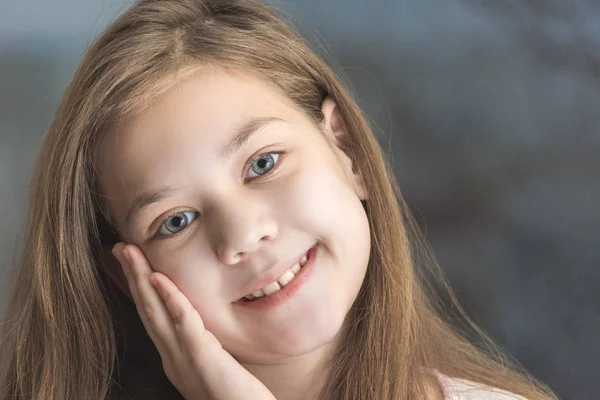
(176, 222)
(264, 163)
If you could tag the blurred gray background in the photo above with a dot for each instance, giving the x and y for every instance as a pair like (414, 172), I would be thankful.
(490, 111)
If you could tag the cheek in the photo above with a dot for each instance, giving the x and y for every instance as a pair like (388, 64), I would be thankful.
(198, 281)
(324, 204)
(316, 197)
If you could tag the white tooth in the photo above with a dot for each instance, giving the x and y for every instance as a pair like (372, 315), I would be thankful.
(271, 288)
(296, 268)
(303, 260)
(287, 277)
(250, 297)
(258, 293)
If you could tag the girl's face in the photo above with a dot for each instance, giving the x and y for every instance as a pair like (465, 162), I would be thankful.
(245, 214)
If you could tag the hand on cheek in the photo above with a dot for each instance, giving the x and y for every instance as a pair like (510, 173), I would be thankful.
(192, 357)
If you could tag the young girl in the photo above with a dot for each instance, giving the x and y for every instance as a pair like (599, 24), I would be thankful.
(264, 250)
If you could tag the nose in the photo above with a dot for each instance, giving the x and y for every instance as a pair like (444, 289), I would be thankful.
(242, 230)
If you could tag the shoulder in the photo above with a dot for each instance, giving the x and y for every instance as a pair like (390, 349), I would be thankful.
(461, 389)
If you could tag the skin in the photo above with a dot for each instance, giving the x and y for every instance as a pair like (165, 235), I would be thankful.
(242, 223)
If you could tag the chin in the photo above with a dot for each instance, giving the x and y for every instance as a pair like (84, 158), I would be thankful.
(293, 342)
(310, 337)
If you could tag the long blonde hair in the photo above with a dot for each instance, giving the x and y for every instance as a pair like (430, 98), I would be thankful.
(59, 338)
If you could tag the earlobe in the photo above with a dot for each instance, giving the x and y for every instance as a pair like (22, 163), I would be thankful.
(336, 132)
(360, 188)
(332, 122)
(359, 185)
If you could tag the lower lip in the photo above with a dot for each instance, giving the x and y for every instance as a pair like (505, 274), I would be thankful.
(286, 292)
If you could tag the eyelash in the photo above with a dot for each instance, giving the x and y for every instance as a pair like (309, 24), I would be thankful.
(158, 235)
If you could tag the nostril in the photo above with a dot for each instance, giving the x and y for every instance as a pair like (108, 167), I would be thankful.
(239, 257)
(264, 239)
(230, 257)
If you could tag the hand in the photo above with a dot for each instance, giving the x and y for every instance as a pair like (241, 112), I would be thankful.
(192, 357)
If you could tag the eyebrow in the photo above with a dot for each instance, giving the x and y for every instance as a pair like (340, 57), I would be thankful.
(242, 136)
(244, 133)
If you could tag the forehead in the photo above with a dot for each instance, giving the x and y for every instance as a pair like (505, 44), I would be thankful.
(201, 112)
(208, 101)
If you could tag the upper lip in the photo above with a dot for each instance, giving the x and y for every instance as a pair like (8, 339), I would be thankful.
(274, 273)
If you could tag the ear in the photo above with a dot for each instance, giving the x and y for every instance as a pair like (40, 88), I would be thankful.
(338, 136)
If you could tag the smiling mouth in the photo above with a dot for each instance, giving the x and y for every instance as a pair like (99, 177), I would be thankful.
(274, 287)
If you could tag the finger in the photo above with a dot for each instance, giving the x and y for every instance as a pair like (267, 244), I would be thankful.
(131, 282)
(152, 311)
(188, 323)
(118, 253)
(150, 307)
(133, 289)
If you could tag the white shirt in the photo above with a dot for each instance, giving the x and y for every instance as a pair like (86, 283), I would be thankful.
(461, 389)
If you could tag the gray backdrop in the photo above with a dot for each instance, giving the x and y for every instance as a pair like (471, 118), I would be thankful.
(490, 111)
